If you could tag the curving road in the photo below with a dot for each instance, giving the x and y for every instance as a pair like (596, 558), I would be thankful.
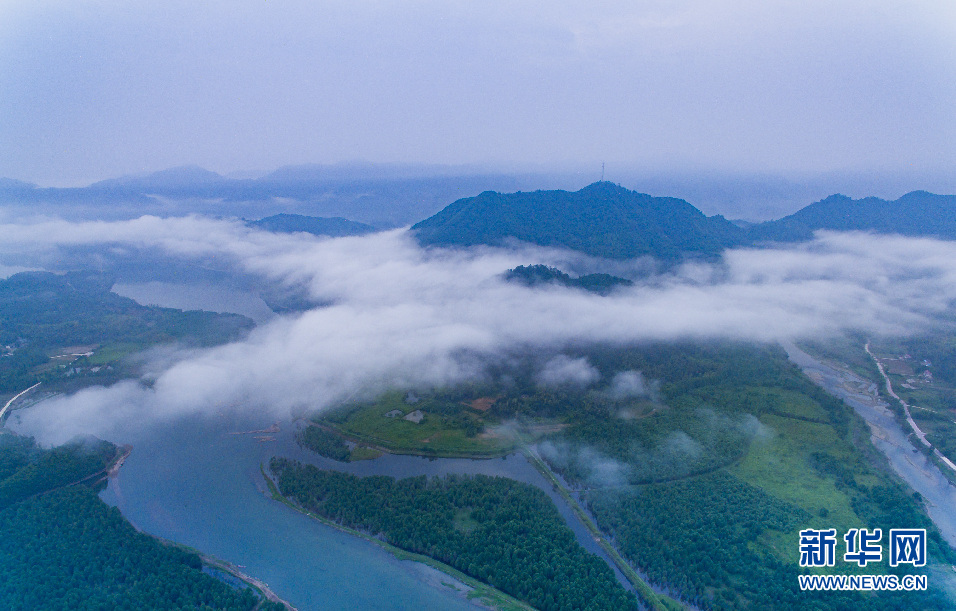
(10, 402)
(906, 408)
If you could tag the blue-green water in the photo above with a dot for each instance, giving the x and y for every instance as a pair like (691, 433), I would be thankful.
(196, 484)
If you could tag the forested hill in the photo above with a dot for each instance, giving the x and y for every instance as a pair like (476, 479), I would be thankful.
(602, 219)
(916, 214)
(537, 275)
(290, 223)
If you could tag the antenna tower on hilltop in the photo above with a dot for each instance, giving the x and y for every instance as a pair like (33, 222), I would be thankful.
(602, 171)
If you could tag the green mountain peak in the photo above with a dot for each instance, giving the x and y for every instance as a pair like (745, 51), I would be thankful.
(603, 219)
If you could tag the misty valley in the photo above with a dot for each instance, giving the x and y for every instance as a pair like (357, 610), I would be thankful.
(592, 399)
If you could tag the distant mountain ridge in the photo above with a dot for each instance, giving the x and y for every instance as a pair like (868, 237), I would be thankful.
(382, 195)
(917, 213)
(610, 221)
(176, 178)
(602, 220)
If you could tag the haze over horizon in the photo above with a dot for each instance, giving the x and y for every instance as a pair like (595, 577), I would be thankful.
(98, 89)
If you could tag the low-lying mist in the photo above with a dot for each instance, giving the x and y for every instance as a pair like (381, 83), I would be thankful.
(403, 316)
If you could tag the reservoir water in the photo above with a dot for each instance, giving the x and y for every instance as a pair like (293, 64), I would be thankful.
(197, 296)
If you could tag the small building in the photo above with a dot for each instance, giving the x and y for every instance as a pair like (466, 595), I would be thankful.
(416, 416)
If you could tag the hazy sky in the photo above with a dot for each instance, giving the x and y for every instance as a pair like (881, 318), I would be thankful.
(93, 89)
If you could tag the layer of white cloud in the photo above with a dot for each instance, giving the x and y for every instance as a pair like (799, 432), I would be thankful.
(563, 370)
(403, 316)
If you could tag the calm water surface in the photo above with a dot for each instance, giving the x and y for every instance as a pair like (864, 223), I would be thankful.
(196, 484)
(199, 484)
(197, 296)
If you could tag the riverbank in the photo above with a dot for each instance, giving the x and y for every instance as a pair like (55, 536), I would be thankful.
(658, 602)
(386, 447)
(472, 589)
(914, 467)
(191, 482)
(514, 466)
(909, 416)
(261, 587)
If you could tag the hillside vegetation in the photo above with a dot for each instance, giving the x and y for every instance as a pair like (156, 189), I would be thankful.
(915, 214)
(49, 323)
(602, 219)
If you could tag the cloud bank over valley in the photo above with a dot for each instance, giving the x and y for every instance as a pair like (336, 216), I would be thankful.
(398, 315)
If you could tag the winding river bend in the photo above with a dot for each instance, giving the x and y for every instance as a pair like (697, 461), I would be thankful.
(195, 483)
(199, 484)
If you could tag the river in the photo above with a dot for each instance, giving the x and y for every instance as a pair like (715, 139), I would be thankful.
(194, 483)
(888, 436)
(199, 484)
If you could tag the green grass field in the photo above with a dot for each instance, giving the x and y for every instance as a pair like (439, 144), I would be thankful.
(780, 466)
(790, 404)
(112, 352)
(364, 453)
(439, 434)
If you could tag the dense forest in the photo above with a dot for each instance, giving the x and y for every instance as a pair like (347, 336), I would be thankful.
(26, 470)
(324, 443)
(701, 495)
(704, 466)
(42, 313)
(503, 532)
(698, 536)
(61, 547)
